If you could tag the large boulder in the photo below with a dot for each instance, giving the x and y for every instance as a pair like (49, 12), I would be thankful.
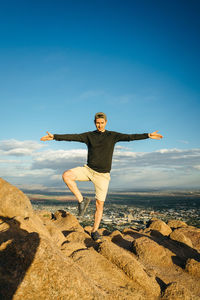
(160, 226)
(34, 268)
(113, 282)
(66, 222)
(152, 253)
(13, 202)
(130, 266)
(179, 236)
(193, 234)
(176, 224)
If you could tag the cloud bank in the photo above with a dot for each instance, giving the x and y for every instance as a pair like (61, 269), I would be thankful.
(29, 163)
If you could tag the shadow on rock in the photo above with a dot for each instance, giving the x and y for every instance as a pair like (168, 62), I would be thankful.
(67, 232)
(121, 242)
(181, 250)
(17, 251)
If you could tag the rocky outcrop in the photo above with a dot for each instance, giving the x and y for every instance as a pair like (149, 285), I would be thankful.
(160, 226)
(151, 252)
(13, 202)
(173, 224)
(51, 256)
(179, 236)
(128, 263)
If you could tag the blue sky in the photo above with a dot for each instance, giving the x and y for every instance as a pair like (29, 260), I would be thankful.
(138, 61)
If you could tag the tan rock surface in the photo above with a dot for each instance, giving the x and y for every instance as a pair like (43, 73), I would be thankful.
(13, 202)
(130, 266)
(53, 276)
(179, 236)
(151, 252)
(176, 224)
(177, 292)
(45, 256)
(193, 234)
(66, 222)
(193, 267)
(160, 226)
(112, 280)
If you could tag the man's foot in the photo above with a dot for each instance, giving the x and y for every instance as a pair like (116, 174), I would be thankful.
(82, 206)
(96, 236)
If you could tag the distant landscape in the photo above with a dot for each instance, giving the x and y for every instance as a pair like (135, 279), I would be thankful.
(132, 208)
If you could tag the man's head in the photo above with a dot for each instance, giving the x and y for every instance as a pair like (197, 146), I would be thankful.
(100, 121)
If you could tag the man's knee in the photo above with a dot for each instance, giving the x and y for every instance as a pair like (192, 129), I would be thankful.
(68, 176)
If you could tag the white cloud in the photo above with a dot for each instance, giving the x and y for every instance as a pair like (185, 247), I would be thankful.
(19, 148)
(197, 167)
(171, 159)
(119, 147)
(59, 159)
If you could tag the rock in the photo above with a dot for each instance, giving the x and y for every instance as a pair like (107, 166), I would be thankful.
(193, 267)
(79, 237)
(152, 253)
(56, 235)
(130, 266)
(45, 256)
(32, 267)
(68, 248)
(177, 235)
(112, 280)
(66, 222)
(104, 231)
(33, 224)
(122, 240)
(52, 276)
(13, 202)
(173, 224)
(115, 234)
(193, 234)
(160, 226)
(44, 214)
(177, 292)
(88, 229)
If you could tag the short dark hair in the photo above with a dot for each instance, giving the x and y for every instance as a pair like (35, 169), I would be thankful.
(100, 115)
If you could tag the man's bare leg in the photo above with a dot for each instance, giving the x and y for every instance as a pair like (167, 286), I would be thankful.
(69, 179)
(98, 215)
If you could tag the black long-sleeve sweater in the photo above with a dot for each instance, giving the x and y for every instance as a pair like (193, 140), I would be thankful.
(100, 146)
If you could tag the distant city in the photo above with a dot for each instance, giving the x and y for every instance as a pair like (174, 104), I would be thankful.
(132, 209)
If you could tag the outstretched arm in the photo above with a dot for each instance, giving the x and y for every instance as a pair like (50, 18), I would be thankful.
(48, 137)
(155, 135)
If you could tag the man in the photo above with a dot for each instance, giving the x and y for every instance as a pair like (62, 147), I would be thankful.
(100, 145)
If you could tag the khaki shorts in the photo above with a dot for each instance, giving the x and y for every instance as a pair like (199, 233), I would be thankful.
(100, 180)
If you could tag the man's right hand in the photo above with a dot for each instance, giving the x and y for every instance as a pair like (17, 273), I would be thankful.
(48, 137)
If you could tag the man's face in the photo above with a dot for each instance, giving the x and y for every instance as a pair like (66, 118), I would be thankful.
(100, 124)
